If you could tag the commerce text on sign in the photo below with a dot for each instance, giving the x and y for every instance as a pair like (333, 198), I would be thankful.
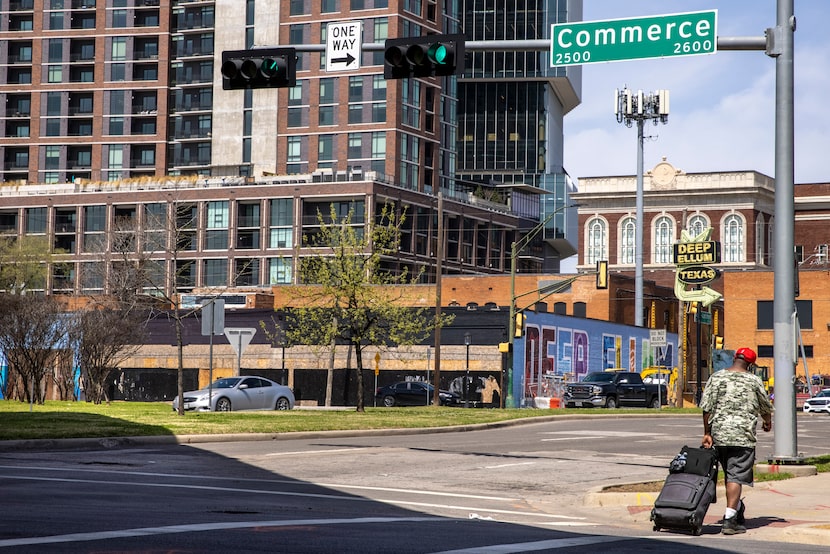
(610, 40)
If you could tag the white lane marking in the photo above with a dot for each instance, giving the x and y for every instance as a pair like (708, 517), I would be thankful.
(274, 481)
(304, 452)
(284, 493)
(509, 465)
(536, 546)
(200, 527)
(599, 433)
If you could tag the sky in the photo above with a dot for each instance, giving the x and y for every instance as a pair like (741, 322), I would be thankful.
(722, 108)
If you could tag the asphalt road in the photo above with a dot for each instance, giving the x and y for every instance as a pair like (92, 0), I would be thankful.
(509, 489)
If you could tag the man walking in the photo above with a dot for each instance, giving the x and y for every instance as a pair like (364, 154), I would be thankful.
(731, 403)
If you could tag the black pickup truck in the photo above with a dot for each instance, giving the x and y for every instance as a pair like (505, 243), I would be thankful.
(614, 388)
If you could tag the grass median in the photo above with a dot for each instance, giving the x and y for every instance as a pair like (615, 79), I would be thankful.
(57, 419)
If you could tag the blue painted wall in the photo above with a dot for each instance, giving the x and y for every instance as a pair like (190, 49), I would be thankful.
(559, 348)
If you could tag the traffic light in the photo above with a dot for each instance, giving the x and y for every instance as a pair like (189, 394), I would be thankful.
(692, 309)
(520, 325)
(259, 68)
(718, 342)
(602, 274)
(427, 56)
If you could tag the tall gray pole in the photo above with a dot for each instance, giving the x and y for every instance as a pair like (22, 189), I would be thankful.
(784, 266)
(639, 251)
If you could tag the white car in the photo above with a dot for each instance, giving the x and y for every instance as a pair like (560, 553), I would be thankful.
(239, 393)
(818, 403)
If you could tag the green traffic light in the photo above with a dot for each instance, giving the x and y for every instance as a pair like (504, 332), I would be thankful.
(439, 54)
(269, 67)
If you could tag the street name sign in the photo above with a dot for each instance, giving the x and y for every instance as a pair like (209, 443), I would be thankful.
(613, 40)
(343, 43)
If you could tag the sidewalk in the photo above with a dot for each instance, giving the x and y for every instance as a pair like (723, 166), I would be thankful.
(793, 510)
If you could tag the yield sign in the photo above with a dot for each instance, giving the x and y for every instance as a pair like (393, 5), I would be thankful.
(343, 43)
(240, 337)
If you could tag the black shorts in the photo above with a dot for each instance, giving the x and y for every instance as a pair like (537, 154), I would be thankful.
(737, 463)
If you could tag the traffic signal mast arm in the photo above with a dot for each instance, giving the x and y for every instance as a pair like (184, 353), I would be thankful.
(534, 45)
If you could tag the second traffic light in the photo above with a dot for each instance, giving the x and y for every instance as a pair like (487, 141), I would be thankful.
(259, 68)
(427, 56)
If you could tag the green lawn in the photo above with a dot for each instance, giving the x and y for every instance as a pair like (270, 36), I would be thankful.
(56, 419)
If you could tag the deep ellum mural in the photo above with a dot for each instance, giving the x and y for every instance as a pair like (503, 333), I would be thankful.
(558, 348)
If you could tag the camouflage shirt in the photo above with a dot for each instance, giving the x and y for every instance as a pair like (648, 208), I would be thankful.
(734, 400)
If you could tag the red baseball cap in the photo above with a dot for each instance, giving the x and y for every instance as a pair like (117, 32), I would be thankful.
(746, 354)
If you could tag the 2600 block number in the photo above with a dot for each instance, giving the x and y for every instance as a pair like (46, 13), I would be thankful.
(693, 47)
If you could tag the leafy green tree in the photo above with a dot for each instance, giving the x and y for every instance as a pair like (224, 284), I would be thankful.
(347, 296)
(24, 263)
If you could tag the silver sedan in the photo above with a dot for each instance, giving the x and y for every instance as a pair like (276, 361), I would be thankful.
(239, 393)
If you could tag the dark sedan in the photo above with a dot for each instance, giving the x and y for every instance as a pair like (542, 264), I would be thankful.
(413, 393)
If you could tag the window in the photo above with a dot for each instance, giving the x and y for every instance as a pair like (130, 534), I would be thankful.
(325, 150)
(119, 19)
(294, 151)
(282, 223)
(355, 146)
(53, 157)
(732, 239)
(116, 156)
(116, 126)
(53, 103)
(35, 221)
(326, 115)
(596, 240)
(379, 145)
(55, 51)
(297, 7)
(55, 74)
(95, 219)
(663, 240)
(356, 89)
(328, 6)
(279, 271)
(216, 236)
(627, 240)
(765, 315)
(216, 273)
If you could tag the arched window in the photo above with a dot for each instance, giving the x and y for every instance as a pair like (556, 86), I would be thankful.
(732, 239)
(628, 227)
(663, 239)
(697, 224)
(596, 241)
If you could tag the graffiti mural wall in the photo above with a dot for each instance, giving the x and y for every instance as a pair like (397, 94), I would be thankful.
(557, 349)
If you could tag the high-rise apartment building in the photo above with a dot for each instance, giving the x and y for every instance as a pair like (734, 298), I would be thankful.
(128, 92)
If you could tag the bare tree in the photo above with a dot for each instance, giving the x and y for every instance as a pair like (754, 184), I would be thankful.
(106, 337)
(32, 330)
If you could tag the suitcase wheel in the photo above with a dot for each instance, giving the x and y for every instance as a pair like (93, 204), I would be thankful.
(697, 531)
(656, 528)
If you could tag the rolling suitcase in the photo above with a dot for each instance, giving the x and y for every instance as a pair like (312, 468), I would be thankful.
(688, 491)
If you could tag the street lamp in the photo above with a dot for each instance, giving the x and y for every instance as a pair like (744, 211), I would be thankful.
(467, 365)
(515, 248)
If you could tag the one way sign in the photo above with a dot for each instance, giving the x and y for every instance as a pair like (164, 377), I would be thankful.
(343, 43)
